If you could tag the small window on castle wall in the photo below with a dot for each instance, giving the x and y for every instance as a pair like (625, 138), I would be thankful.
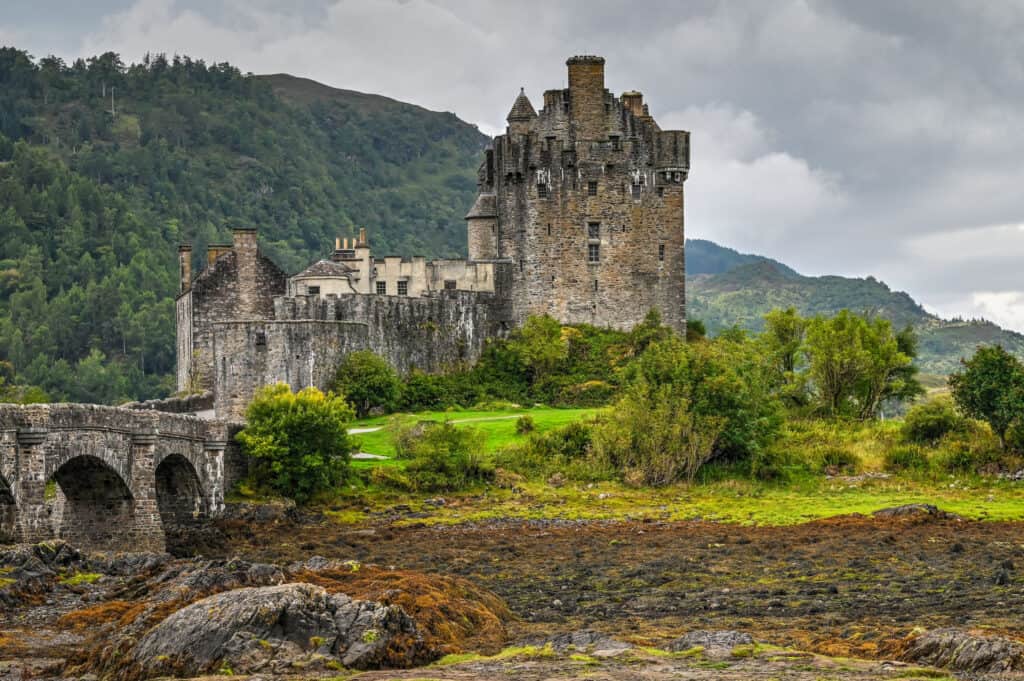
(661, 191)
(636, 191)
(403, 288)
(549, 229)
(593, 230)
(261, 339)
(382, 288)
(449, 284)
(313, 290)
(592, 188)
(542, 191)
(595, 286)
(593, 253)
(616, 144)
(661, 251)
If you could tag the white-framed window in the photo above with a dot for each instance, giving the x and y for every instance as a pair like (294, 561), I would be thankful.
(382, 288)
(403, 288)
(593, 253)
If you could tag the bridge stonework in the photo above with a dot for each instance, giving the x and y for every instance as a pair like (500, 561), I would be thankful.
(110, 478)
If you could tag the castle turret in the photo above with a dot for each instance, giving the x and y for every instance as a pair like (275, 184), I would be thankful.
(587, 97)
(521, 116)
(482, 227)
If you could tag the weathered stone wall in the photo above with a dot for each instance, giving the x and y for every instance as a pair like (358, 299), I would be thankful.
(238, 284)
(310, 336)
(589, 158)
(105, 463)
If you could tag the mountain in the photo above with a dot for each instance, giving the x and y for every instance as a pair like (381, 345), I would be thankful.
(106, 167)
(726, 288)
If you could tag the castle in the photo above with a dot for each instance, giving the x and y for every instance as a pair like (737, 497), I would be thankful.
(579, 216)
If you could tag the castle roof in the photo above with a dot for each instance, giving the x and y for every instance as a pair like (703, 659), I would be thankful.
(485, 206)
(522, 110)
(325, 268)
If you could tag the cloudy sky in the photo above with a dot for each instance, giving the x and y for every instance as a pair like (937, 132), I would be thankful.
(850, 137)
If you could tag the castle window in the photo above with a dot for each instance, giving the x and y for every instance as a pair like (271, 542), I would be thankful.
(595, 286)
(661, 191)
(403, 288)
(593, 253)
(312, 290)
(549, 229)
(449, 284)
(593, 230)
(592, 188)
(616, 143)
(542, 191)
(636, 191)
(261, 339)
(382, 288)
(661, 251)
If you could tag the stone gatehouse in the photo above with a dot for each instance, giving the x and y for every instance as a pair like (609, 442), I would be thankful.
(579, 216)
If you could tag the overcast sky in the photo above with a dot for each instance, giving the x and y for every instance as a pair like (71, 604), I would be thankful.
(848, 137)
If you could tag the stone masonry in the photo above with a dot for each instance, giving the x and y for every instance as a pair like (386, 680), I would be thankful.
(579, 216)
(107, 477)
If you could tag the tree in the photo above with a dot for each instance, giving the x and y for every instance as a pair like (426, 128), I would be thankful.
(853, 363)
(784, 336)
(298, 441)
(990, 387)
(541, 345)
(368, 381)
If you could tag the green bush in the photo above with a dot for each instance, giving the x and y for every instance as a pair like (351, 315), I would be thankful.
(368, 381)
(443, 458)
(422, 391)
(906, 458)
(652, 436)
(929, 421)
(297, 441)
(559, 450)
(969, 450)
(525, 424)
(839, 459)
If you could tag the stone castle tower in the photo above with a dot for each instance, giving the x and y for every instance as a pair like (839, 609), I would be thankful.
(585, 199)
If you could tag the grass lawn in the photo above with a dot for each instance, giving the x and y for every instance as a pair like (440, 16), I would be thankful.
(499, 427)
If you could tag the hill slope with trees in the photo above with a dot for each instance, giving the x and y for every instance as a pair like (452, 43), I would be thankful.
(105, 167)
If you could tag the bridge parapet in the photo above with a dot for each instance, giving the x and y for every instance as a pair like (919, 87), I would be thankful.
(108, 477)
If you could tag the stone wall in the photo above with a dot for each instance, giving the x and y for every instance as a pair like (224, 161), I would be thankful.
(105, 463)
(310, 335)
(589, 158)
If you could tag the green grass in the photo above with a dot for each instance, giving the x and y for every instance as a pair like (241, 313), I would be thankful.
(80, 578)
(499, 427)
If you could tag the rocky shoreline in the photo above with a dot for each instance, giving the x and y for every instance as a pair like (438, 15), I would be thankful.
(527, 600)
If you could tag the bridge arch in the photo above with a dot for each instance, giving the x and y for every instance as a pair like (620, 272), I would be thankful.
(89, 503)
(180, 494)
(8, 513)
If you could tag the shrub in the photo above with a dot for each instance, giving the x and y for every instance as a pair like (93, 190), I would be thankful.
(652, 436)
(592, 393)
(525, 424)
(839, 459)
(906, 458)
(990, 386)
(929, 421)
(969, 449)
(297, 441)
(422, 391)
(559, 450)
(444, 458)
(368, 381)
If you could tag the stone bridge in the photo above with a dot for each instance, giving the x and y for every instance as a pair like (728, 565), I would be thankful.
(107, 477)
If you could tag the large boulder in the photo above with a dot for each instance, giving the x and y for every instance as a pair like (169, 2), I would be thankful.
(966, 652)
(280, 628)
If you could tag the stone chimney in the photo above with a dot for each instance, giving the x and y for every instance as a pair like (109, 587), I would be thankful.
(634, 102)
(246, 254)
(586, 97)
(185, 267)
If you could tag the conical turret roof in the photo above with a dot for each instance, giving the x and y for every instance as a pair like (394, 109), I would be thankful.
(522, 110)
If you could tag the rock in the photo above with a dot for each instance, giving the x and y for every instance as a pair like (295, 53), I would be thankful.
(714, 643)
(586, 640)
(964, 651)
(915, 510)
(275, 628)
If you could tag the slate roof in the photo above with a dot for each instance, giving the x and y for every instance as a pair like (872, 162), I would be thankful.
(485, 206)
(522, 110)
(325, 268)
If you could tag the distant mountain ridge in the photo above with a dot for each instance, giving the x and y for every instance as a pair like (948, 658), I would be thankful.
(726, 288)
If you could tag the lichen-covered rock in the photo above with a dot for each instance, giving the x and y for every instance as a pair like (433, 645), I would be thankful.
(965, 651)
(277, 628)
(916, 511)
(713, 642)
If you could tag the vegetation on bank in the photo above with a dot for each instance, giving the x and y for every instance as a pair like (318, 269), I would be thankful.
(794, 410)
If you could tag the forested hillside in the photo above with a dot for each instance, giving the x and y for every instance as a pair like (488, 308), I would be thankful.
(105, 167)
(737, 290)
